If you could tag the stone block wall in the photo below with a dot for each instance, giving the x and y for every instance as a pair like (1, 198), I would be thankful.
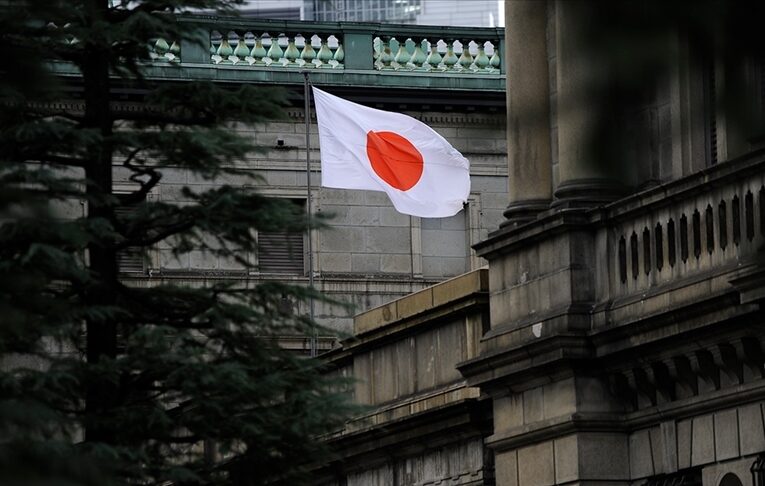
(423, 425)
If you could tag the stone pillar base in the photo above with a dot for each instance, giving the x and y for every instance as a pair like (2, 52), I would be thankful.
(522, 212)
(588, 193)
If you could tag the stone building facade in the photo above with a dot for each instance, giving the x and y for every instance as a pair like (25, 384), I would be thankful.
(368, 254)
(623, 339)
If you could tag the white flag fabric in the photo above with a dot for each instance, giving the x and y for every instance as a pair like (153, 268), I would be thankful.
(365, 148)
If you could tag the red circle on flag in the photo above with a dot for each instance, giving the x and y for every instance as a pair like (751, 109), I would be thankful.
(394, 159)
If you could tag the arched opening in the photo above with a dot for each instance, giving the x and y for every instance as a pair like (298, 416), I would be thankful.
(730, 479)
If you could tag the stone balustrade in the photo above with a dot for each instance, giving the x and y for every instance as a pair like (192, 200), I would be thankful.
(229, 49)
(161, 50)
(677, 234)
(436, 55)
(358, 46)
(276, 50)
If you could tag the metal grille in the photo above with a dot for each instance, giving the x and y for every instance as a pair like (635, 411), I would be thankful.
(280, 252)
(130, 259)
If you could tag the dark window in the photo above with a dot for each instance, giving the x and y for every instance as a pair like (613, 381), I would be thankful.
(736, 210)
(634, 255)
(723, 225)
(684, 238)
(749, 213)
(671, 248)
(646, 251)
(659, 247)
(696, 234)
(709, 217)
(622, 259)
(130, 259)
(282, 251)
(762, 210)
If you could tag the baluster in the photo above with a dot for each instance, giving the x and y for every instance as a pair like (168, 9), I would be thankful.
(376, 49)
(495, 57)
(160, 48)
(450, 59)
(481, 59)
(214, 43)
(240, 51)
(466, 59)
(402, 56)
(275, 52)
(292, 54)
(224, 50)
(258, 52)
(175, 52)
(308, 54)
(418, 57)
(324, 55)
(386, 57)
(72, 39)
(434, 58)
(339, 55)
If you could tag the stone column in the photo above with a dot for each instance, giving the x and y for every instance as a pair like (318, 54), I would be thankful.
(585, 175)
(528, 110)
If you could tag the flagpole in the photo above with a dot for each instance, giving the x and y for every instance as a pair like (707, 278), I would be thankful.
(307, 112)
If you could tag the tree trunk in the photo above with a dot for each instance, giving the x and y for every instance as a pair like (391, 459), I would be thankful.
(102, 396)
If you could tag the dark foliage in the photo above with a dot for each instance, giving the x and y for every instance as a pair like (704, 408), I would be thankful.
(102, 382)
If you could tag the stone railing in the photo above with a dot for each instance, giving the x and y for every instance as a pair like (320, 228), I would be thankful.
(358, 54)
(345, 45)
(437, 55)
(161, 50)
(684, 230)
(276, 49)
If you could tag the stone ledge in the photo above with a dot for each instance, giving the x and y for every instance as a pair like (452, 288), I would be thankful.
(412, 406)
(423, 301)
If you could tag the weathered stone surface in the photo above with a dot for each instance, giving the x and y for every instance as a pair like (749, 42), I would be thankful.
(560, 398)
(566, 459)
(641, 457)
(703, 434)
(341, 239)
(533, 405)
(506, 468)
(388, 239)
(536, 465)
(684, 444)
(365, 263)
(415, 303)
(508, 412)
(752, 432)
(603, 456)
(726, 435)
(396, 264)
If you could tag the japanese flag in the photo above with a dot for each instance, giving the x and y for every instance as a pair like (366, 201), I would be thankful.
(365, 148)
